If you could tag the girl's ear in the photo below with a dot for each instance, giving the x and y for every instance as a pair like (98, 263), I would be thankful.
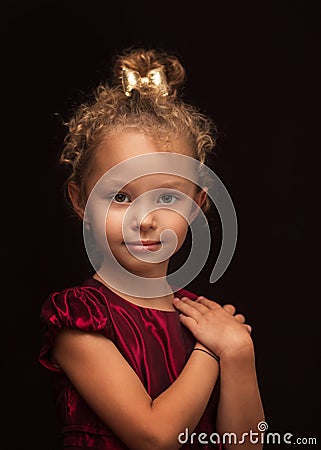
(199, 200)
(75, 197)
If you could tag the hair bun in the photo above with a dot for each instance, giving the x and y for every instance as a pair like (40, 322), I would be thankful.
(143, 61)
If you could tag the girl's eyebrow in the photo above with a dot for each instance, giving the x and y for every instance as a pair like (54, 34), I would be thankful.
(171, 183)
(114, 183)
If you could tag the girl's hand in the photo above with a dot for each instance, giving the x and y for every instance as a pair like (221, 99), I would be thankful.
(231, 310)
(214, 326)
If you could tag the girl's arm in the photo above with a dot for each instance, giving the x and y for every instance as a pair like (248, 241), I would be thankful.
(113, 390)
(240, 408)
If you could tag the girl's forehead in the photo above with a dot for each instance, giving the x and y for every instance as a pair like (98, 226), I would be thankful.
(125, 179)
(158, 181)
(116, 149)
(133, 159)
(128, 144)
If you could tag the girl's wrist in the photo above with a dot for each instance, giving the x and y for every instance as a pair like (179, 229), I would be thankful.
(235, 356)
(202, 348)
(199, 345)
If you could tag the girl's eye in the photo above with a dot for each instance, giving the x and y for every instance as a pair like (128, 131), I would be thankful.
(120, 198)
(167, 198)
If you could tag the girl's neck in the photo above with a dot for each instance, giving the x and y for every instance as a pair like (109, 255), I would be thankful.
(162, 303)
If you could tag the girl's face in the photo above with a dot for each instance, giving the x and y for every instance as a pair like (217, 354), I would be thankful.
(117, 149)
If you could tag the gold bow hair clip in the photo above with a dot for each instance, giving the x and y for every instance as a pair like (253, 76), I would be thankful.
(155, 79)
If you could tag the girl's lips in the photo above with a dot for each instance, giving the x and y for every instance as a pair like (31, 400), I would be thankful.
(143, 246)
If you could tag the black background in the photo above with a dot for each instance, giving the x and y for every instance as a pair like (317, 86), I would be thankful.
(254, 67)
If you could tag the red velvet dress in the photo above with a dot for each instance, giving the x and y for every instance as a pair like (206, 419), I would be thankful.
(154, 343)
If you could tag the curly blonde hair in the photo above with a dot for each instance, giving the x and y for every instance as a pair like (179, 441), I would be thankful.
(110, 111)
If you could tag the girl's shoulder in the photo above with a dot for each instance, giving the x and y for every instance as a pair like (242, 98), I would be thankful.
(83, 307)
(83, 303)
(186, 293)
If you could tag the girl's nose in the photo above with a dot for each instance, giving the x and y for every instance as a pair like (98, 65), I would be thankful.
(144, 223)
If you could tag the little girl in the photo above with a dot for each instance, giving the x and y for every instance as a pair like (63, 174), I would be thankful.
(167, 369)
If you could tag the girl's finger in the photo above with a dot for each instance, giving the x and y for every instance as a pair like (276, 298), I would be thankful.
(209, 303)
(240, 318)
(200, 307)
(229, 309)
(186, 307)
(195, 304)
(188, 322)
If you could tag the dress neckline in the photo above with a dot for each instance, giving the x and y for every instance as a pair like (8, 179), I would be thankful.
(104, 286)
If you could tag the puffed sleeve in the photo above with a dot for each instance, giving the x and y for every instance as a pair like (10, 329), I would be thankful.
(79, 308)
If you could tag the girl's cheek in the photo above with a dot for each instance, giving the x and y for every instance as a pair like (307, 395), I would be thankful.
(115, 215)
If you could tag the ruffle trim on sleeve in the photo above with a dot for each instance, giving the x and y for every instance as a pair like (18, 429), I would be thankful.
(78, 308)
